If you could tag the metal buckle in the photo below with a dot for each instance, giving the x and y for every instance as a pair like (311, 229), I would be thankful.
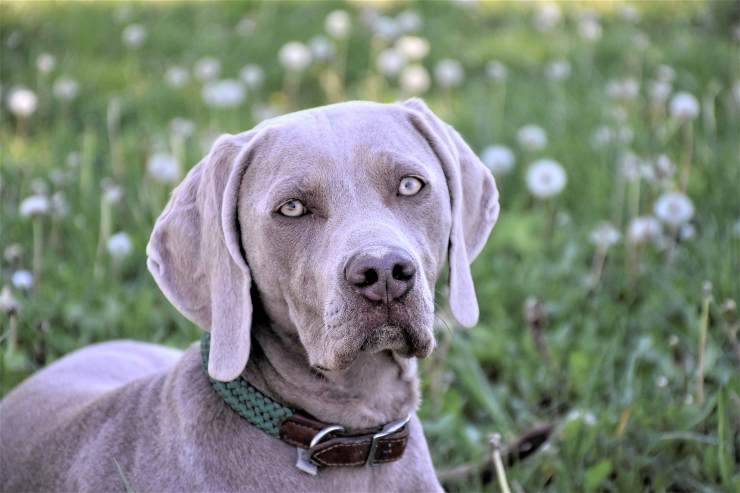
(388, 429)
(304, 455)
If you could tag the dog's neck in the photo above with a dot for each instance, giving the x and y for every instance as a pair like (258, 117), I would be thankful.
(376, 389)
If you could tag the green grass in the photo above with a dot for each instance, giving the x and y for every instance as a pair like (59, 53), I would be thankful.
(613, 367)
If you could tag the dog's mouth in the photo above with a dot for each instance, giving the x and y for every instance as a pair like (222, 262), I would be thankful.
(404, 341)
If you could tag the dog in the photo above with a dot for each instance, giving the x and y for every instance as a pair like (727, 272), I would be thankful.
(308, 249)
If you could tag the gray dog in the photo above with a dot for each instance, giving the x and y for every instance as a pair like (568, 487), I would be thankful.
(308, 248)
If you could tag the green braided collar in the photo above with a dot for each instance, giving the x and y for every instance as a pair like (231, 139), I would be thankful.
(246, 400)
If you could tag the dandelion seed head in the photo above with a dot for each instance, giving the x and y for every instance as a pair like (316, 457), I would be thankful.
(532, 137)
(13, 253)
(499, 159)
(674, 209)
(119, 246)
(22, 102)
(246, 26)
(294, 56)
(8, 303)
(134, 35)
(59, 206)
(497, 71)
(684, 106)
(46, 62)
(22, 279)
(659, 91)
(449, 73)
(547, 16)
(545, 178)
(413, 48)
(642, 229)
(661, 381)
(409, 21)
(163, 168)
(112, 193)
(227, 93)
(338, 24)
(390, 62)
(182, 127)
(322, 49)
(558, 70)
(177, 76)
(35, 205)
(207, 69)
(414, 79)
(65, 88)
(604, 236)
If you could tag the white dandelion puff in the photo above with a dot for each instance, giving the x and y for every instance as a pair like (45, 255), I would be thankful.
(499, 159)
(182, 127)
(532, 137)
(390, 62)
(684, 106)
(207, 68)
(496, 71)
(674, 209)
(547, 16)
(119, 246)
(35, 205)
(414, 79)
(45, 63)
(642, 229)
(413, 48)
(604, 236)
(338, 24)
(134, 35)
(294, 56)
(409, 21)
(322, 49)
(546, 178)
(449, 73)
(558, 70)
(163, 167)
(227, 93)
(22, 279)
(176, 76)
(22, 102)
(65, 88)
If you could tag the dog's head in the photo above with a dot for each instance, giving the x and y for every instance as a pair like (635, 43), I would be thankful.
(342, 218)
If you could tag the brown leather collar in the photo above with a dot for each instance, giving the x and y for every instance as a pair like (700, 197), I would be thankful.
(324, 444)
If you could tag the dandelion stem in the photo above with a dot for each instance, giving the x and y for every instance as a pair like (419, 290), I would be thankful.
(12, 346)
(703, 329)
(499, 463)
(688, 150)
(104, 234)
(38, 246)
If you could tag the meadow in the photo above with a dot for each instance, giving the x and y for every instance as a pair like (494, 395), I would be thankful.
(607, 353)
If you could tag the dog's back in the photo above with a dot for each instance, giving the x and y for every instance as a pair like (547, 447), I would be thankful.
(39, 417)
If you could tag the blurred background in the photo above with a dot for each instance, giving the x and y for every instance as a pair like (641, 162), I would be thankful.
(607, 353)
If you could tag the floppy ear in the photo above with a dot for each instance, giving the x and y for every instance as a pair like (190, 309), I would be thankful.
(474, 201)
(196, 258)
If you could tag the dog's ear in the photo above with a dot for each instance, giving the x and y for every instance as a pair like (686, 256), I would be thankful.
(474, 201)
(196, 257)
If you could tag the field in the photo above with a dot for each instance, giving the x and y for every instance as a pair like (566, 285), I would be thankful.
(608, 290)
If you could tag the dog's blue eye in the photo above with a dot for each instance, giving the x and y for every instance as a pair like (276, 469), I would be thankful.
(292, 208)
(410, 185)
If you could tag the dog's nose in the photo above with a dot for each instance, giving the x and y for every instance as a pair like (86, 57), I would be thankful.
(381, 275)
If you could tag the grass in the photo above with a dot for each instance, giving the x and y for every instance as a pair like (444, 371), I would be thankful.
(635, 375)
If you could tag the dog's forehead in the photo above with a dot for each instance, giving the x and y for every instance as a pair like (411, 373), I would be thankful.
(340, 135)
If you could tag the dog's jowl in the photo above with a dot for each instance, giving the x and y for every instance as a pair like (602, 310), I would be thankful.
(307, 249)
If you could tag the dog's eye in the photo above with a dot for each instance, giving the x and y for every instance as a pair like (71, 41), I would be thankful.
(293, 208)
(410, 185)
